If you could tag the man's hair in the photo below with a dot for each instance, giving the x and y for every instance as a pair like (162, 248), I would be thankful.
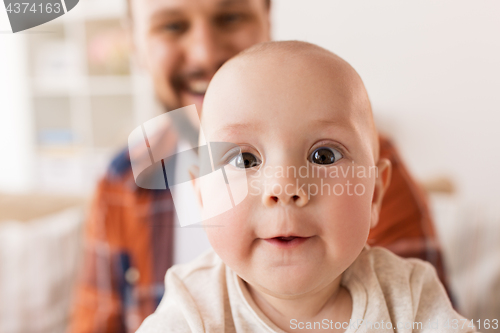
(129, 7)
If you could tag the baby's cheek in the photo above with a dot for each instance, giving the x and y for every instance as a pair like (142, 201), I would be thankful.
(349, 219)
(230, 235)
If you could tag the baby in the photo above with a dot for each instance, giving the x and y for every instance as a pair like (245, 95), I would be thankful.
(292, 256)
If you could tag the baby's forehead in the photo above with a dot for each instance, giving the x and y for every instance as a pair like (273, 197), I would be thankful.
(287, 89)
(256, 89)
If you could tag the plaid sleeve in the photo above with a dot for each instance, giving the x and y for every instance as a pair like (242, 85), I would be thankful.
(97, 303)
(127, 251)
(405, 225)
(128, 244)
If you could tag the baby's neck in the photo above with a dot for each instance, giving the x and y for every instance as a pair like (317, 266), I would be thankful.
(332, 302)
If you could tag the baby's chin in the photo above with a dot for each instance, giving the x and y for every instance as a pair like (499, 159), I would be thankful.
(288, 282)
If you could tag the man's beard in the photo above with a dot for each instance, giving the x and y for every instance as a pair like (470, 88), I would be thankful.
(185, 128)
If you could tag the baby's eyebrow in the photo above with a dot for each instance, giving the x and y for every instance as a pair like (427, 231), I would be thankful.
(235, 127)
(342, 122)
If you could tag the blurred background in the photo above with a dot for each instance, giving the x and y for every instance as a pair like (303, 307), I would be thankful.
(70, 94)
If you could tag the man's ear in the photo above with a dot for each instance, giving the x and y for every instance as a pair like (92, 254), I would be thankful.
(269, 26)
(194, 171)
(384, 171)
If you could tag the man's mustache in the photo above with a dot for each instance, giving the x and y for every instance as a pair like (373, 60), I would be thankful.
(179, 80)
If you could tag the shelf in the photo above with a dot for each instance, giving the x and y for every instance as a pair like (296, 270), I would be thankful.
(96, 9)
(65, 85)
(85, 96)
(82, 86)
(71, 169)
(112, 120)
(110, 85)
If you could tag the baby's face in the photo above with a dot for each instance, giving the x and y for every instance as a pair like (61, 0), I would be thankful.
(305, 136)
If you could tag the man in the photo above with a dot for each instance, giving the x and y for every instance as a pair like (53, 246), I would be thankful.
(130, 231)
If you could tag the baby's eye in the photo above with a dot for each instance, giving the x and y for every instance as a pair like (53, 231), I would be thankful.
(325, 155)
(245, 161)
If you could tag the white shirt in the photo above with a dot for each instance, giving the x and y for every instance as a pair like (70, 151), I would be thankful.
(207, 296)
(189, 241)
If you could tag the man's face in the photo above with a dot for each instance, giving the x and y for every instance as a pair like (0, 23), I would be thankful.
(182, 43)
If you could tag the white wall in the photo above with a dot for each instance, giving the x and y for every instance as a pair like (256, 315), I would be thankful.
(432, 69)
(16, 133)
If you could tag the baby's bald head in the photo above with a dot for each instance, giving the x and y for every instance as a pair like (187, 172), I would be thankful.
(291, 75)
(302, 121)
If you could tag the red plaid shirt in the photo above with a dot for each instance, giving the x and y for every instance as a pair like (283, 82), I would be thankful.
(129, 236)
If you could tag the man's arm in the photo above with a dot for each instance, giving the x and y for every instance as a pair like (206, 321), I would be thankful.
(97, 303)
(405, 226)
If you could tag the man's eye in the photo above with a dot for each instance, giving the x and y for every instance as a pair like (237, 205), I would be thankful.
(228, 19)
(176, 27)
(245, 161)
(324, 155)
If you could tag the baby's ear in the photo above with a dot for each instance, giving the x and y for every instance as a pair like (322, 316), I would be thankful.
(194, 172)
(382, 182)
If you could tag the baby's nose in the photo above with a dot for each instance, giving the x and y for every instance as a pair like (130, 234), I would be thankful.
(284, 194)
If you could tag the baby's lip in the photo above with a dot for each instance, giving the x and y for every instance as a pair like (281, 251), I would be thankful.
(288, 241)
(288, 235)
(285, 237)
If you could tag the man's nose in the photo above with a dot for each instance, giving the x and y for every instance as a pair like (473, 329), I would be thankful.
(285, 191)
(206, 48)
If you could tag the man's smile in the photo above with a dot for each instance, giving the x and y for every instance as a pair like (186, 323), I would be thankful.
(197, 87)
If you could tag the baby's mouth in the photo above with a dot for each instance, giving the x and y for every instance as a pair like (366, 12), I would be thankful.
(286, 241)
